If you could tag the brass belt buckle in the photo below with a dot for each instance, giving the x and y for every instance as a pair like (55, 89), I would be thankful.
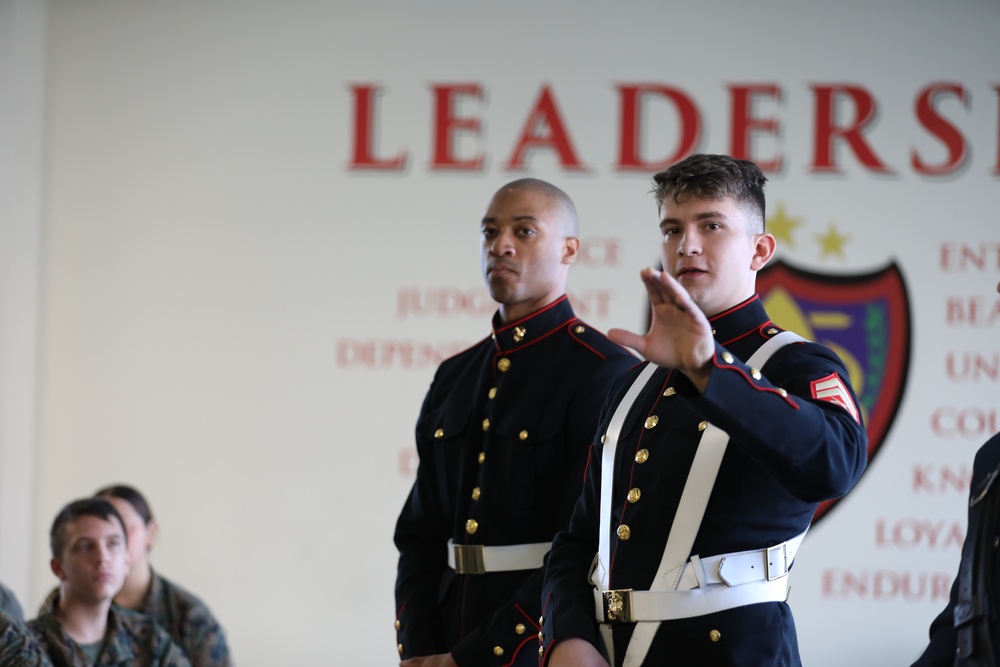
(469, 559)
(618, 606)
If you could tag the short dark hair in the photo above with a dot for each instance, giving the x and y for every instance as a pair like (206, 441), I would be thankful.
(706, 176)
(95, 506)
(131, 495)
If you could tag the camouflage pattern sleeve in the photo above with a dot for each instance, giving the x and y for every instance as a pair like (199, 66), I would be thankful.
(18, 647)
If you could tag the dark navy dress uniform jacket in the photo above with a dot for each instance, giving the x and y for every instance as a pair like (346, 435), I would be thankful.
(787, 452)
(944, 638)
(502, 438)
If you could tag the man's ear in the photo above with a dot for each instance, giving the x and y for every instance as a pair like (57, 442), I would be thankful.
(764, 247)
(56, 566)
(152, 528)
(571, 249)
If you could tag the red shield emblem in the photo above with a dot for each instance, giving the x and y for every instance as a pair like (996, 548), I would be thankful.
(865, 319)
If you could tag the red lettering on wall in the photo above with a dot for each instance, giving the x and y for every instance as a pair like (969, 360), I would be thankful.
(745, 124)
(886, 585)
(970, 423)
(962, 257)
(914, 533)
(545, 116)
(408, 461)
(599, 252)
(972, 367)
(932, 478)
(828, 131)
(447, 124)
(631, 125)
(385, 354)
(975, 311)
(443, 302)
(365, 96)
(947, 133)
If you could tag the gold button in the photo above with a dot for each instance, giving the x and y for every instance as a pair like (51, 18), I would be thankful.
(541, 620)
(492, 394)
(519, 628)
(715, 635)
(486, 424)
(702, 426)
(755, 373)
(398, 624)
(523, 435)
(475, 493)
(641, 456)
(604, 438)
(482, 456)
(652, 421)
(541, 637)
(400, 649)
(772, 331)
(634, 495)
(578, 329)
(471, 526)
(503, 364)
(541, 650)
(713, 331)
(669, 392)
(624, 532)
(726, 357)
(782, 392)
(497, 651)
(439, 433)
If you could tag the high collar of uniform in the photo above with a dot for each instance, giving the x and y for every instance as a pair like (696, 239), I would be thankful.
(739, 320)
(532, 327)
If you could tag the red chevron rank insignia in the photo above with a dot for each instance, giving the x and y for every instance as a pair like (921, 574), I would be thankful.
(832, 389)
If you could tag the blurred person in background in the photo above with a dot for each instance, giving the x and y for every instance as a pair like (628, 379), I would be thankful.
(79, 626)
(188, 620)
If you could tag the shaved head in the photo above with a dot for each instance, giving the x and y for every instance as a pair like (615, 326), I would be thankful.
(569, 217)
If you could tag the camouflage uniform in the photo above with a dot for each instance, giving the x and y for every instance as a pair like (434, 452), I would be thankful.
(131, 640)
(9, 605)
(18, 647)
(188, 620)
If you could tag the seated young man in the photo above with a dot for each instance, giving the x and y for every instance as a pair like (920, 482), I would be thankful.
(80, 626)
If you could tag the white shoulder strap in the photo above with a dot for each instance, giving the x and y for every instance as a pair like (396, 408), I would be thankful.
(608, 472)
(691, 510)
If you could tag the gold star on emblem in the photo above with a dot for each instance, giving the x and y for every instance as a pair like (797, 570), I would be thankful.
(781, 226)
(832, 242)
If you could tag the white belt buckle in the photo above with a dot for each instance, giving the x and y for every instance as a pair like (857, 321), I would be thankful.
(778, 554)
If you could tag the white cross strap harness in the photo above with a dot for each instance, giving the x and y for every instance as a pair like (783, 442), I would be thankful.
(685, 585)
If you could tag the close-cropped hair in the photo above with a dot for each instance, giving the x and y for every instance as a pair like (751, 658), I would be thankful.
(95, 506)
(707, 176)
(130, 495)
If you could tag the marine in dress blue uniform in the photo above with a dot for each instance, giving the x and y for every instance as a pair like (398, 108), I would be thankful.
(791, 445)
(502, 438)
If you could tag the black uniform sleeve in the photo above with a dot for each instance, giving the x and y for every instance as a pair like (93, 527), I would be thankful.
(799, 418)
(940, 651)
(421, 537)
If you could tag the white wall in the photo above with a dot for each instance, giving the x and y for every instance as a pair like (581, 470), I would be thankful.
(210, 260)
